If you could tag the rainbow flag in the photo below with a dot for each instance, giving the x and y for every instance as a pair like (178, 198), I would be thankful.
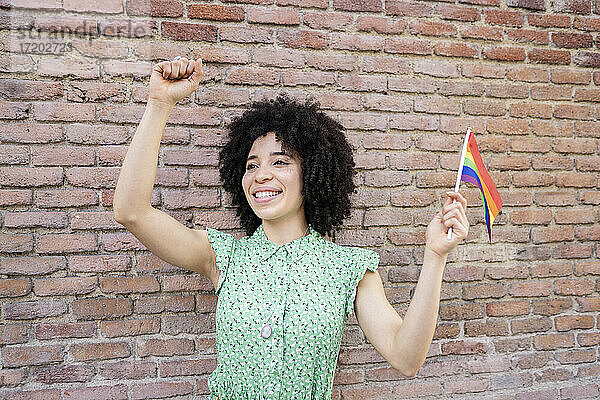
(473, 171)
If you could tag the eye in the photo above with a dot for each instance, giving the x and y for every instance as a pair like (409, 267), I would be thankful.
(249, 167)
(283, 162)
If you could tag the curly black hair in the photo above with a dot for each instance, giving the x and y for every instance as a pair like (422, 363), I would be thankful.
(327, 162)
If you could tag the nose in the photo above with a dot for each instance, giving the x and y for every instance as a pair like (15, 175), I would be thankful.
(263, 173)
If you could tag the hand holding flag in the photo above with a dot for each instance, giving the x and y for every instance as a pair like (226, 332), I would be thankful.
(471, 169)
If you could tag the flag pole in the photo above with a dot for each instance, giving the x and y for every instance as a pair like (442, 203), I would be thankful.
(459, 173)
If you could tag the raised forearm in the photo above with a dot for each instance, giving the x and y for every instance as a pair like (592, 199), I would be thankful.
(414, 337)
(136, 179)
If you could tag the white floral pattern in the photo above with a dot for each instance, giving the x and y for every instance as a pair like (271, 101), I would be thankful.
(307, 287)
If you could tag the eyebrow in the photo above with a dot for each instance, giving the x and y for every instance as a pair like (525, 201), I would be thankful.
(275, 153)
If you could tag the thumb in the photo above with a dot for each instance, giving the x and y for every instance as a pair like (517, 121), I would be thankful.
(197, 74)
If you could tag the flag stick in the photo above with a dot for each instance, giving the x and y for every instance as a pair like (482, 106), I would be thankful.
(459, 173)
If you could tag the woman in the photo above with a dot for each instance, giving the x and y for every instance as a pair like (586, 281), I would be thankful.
(285, 292)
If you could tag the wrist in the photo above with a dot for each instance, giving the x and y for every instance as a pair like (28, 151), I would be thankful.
(432, 253)
(160, 104)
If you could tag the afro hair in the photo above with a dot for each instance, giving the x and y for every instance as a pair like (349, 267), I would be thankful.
(327, 162)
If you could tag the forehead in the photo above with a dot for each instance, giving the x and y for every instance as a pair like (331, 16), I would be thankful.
(266, 143)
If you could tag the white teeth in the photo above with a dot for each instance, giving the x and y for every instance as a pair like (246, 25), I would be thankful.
(265, 194)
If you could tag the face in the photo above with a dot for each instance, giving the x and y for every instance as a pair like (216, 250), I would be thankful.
(269, 167)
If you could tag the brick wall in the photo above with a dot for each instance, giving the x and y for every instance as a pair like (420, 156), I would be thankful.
(88, 313)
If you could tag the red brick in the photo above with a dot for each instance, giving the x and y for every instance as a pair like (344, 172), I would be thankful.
(507, 90)
(93, 91)
(187, 31)
(97, 392)
(502, 17)
(101, 308)
(486, 328)
(428, 28)
(35, 309)
(133, 284)
(587, 23)
(464, 347)
(99, 351)
(154, 8)
(528, 74)
(65, 330)
(162, 389)
(32, 355)
(482, 32)
(528, 36)
(504, 53)
(271, 16)
(455, 12)
(364, 6)
(572, 6)
(573, 287)
(407, 46)
(303, 38)
(344, 41)
(549, 20)
(21, 89)
(130, 327)
(407, 8)
(573, 250)
(64, 112)
(586, 391)
(441, 69)
(506, 308)
(452, 49)
(215, 12)
(553, 341)
(531, 325)
(570, 76)
(535, 360)
(508, 126)
(572, 40)
(241, 34)
(484, 107)
(374, 24)
(468, 385)
(571, 111)
(436, 105)
(108, 6)
(530, 4)
(571, 322)
(124, 27)
(547, 56)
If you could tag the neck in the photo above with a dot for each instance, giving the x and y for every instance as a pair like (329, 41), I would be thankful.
(282, 233)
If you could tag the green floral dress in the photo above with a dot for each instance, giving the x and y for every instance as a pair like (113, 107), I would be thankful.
(305, 289)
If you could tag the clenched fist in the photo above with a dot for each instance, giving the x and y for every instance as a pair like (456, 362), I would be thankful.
(172, 81)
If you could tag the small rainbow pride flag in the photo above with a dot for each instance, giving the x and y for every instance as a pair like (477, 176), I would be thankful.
(472, 170)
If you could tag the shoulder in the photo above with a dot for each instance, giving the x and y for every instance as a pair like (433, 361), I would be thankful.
(350, 255)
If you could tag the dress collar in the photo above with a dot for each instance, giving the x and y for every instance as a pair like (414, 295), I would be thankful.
(265, 248)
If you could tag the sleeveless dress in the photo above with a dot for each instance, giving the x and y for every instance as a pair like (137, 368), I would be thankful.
(305, 289)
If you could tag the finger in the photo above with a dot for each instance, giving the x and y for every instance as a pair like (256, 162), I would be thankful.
(459, 197)
(457, 205)
(183, 65)
(175, 65)
(167, 70)
(454, 213)
(187, 69)
(198, 72)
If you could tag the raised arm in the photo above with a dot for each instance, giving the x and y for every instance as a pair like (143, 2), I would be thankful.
(166, 237)
(405, 343)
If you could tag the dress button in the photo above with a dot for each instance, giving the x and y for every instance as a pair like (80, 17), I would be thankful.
(266, 331)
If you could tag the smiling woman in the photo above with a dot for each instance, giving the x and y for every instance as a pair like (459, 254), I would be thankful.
(285, 145)
(284, 291)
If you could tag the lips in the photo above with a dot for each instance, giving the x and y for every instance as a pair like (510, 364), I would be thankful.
(266, 199)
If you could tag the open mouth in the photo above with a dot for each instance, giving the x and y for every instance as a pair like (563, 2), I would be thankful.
(266, 196)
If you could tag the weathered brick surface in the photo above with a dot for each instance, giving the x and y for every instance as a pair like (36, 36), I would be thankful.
(83, 300)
